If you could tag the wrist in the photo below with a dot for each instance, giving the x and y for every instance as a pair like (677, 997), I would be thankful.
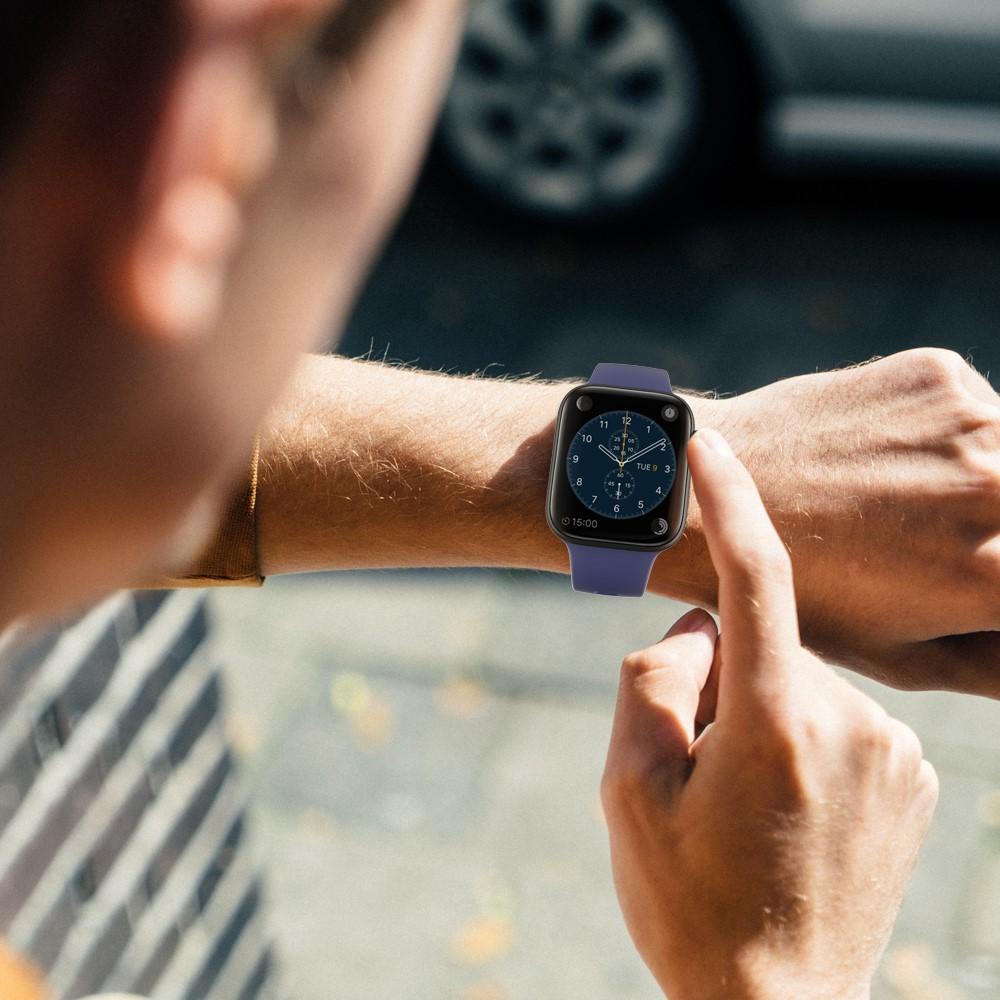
(778, 990)
(769, 982)
(515, 498)
(510, 503)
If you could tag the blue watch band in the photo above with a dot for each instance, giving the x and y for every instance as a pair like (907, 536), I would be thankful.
(595, 569)
(612, 572)
(631, 377)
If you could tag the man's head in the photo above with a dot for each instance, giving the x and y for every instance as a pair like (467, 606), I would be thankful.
(191, 192)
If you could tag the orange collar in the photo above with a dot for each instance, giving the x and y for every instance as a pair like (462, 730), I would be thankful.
(19, 980)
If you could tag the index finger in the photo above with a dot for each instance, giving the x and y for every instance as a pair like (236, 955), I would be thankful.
(756, 594)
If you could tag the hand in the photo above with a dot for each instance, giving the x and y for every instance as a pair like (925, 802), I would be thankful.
(646, 450)
(765, 855)
(607, 451)
(886, 490)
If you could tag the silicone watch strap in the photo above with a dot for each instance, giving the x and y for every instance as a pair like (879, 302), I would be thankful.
(612, 572)
(631, 377)
(595, 569)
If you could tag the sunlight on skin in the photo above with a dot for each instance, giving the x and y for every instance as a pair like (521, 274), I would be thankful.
(247, 225)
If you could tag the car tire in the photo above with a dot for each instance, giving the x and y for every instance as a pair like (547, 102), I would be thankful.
(650, 102)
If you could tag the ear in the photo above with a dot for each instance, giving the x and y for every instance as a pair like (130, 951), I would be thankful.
(216, 137)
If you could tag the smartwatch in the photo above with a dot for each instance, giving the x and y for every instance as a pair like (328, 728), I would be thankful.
(619, 482)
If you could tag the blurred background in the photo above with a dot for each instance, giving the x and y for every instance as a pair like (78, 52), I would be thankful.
(738, 191)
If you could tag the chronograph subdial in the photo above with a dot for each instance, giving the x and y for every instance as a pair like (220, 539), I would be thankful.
(619, 484)
(615, 444)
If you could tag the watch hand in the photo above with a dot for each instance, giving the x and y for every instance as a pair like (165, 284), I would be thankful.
(609, 453)
(639, 454)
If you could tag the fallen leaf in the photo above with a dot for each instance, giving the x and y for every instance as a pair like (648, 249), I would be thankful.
(482, 991)
(350, 694)
(463, 698)
(483, 940)
(374, 724)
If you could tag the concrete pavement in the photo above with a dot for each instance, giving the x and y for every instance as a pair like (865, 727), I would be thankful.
(424, 751)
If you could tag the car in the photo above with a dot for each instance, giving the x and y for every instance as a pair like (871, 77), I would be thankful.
(578, 110)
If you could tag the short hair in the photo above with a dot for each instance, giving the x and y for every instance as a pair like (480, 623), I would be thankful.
(39, 34)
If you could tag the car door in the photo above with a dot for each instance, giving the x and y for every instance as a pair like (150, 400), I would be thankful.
(894, 49)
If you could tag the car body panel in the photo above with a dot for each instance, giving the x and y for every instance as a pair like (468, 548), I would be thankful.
(916, 49)
(901, 82)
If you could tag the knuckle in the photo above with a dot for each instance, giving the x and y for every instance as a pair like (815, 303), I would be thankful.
(617, 783)
(978, 419)
(986, 563)
(935, 367)
(980, 469)
(879, 737)
(906, 741)
(872, 745)
(872, 730)
(624, 783)
(634, 666)
(928, 786)
(610, 790)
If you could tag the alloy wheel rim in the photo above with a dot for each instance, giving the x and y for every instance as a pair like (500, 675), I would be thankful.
(571, 106)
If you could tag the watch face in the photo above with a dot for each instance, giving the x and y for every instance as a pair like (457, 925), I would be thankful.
(619, 470)
(621, 465)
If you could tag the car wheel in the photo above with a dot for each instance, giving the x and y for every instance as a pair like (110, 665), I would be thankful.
(583, 110)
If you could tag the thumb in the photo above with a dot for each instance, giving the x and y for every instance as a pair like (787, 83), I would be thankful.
(658, 697)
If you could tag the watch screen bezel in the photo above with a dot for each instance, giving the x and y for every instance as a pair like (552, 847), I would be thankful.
(562, 502)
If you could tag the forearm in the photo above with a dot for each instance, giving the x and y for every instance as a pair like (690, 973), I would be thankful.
(762, 970)
(769, 988)
(365, 465)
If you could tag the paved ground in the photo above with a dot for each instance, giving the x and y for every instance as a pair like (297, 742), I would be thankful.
(806, 272)
(425, 749)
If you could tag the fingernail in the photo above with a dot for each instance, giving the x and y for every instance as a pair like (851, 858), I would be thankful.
(714, 441)
(696, 620)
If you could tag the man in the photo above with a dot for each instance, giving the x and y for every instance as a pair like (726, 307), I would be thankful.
(170, 248)
(190, 197)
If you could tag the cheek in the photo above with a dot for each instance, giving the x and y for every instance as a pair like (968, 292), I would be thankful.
(83, 558)
(189, 539)
(342, 171)
(146, 506)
